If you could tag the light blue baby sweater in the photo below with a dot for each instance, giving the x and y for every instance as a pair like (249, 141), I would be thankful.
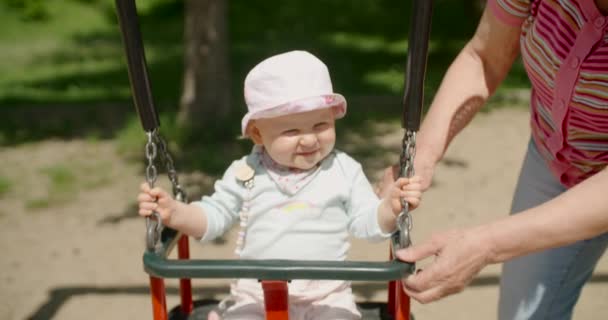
(312, 224)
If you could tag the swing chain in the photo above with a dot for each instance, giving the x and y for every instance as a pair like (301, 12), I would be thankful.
(153, 226)
(404, 219)
(151, 152)
(178, 191)
(157, 145)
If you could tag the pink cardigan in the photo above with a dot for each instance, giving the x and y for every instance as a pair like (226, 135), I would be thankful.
(564, 47)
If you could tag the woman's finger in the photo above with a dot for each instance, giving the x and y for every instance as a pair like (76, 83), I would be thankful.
(419, 251)
(431, 284)
(426, 296)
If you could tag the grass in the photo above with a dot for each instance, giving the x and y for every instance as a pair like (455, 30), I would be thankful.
(76, 56)
(80, 59)
(50, 50)
(62, 185)
(65, 76)
(5, 186)
(64, 182)
(62, 178)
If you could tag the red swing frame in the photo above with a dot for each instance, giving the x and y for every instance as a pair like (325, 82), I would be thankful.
(275, 294)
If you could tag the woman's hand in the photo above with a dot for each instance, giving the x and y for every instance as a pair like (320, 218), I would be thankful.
(459, 257)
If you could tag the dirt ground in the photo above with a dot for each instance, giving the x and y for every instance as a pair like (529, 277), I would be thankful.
(81, 257)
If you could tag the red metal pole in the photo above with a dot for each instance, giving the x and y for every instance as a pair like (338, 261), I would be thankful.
(159, 302)
(391, 290)
(402, 311)
(276, 300)
(391, 305)
(185, 285)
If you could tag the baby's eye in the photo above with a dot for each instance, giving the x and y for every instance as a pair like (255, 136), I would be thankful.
(290, 132)
(321, 126)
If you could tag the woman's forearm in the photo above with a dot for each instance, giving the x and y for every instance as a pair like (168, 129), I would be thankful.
(461, 94)
(472, 78)
(579, 213)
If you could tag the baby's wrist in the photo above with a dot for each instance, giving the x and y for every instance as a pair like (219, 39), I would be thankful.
(387, 219)
(175, 215)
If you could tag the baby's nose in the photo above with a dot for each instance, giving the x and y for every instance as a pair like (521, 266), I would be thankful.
(308, 140)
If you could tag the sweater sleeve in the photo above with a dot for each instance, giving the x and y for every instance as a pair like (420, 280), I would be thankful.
(511, 12)
(362, 206)
(223, 206)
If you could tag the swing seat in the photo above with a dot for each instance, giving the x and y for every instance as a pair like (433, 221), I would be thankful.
(369, 311)
(159, 267)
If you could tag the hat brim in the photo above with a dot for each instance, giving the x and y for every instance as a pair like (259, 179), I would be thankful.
(334, 100)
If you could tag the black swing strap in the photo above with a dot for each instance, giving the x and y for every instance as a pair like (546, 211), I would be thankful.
(418, 43)
(136, 62)
(413, 99)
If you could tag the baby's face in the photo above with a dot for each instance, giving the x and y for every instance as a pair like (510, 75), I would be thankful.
(298, 140)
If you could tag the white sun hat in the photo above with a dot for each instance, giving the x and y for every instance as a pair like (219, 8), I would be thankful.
(289, 83)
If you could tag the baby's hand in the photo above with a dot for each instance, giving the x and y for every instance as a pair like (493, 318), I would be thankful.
(156, 200)
(409, 189)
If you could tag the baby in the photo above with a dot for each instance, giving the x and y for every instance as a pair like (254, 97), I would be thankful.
(295, 195)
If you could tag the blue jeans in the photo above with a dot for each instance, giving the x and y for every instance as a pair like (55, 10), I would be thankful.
(545, 285)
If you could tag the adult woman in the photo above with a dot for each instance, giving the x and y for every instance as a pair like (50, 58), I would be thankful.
(558, 227)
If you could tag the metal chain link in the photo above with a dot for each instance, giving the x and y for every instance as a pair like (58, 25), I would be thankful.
(178, 191)
(404, 219)
(157, 145)
(153, 226)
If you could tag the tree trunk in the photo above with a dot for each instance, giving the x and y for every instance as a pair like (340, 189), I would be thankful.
(206, 88)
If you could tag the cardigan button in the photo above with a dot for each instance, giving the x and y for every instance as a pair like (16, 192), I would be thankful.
(574, 61)
(599, 22)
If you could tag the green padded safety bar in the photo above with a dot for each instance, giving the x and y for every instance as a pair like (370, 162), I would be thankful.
(161, 267)
(156, 264)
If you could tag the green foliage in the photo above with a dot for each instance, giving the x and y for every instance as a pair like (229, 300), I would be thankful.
(64, 181)
(208, 148)
(131, 139)
(80, 60)
(62, 178)
(40, 203)
(30, 10)
(66, 76)
(61, 187)
(5, 186)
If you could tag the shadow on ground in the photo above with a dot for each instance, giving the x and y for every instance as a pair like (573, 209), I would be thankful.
(61, 295)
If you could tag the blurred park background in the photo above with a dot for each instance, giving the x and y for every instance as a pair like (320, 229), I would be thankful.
(72, 146)
(64, 71)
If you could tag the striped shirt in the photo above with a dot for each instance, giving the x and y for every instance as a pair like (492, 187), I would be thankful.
(564, 47)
